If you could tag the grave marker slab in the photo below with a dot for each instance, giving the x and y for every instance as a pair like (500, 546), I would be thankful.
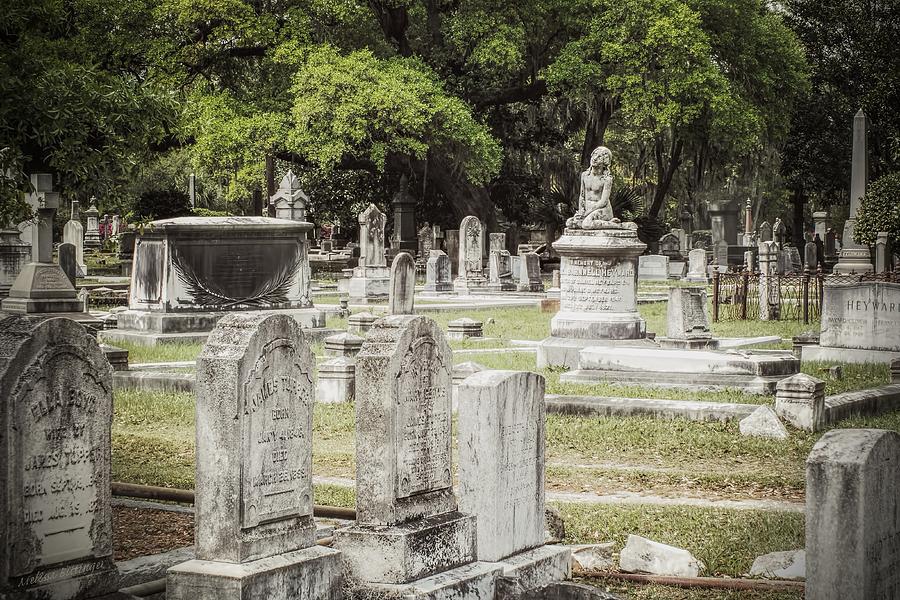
(405, 506)
(438, 276)
(471, 242)
(55, 421)
(254, 506)
(652, 267)
(403, 285)
(852, 516)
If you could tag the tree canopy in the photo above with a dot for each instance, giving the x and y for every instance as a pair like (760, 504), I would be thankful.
(488, 107)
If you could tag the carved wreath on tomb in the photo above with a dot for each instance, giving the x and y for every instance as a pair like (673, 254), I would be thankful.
(206, 293)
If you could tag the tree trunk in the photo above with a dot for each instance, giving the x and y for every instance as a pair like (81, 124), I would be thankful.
(597, 122)
(799, 201)
(465, 198)
(664, 174)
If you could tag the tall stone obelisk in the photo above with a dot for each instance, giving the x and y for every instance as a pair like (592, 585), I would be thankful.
(856, 258)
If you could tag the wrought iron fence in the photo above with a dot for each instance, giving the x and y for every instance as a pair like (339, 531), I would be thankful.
(797, 295)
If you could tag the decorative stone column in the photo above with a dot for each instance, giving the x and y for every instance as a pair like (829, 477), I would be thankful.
(403, 239)
(769, 293)
(598, 293)
(855, 258)
(92, 231)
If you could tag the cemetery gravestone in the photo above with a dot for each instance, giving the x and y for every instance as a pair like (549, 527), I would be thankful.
(765, 232)
(769, 291)
(255, 535)
(92, 231)
(530, 273)
(406, 510)
(14, 254)
(855, 257)
(499, 271)
(496, 242)
(451, 248)
(653, 267)
(426, 241)
(810, 255)
(882, 253)
(471, 272)
(437, 273)
(403, 238)
(55, 421)
(501, 462)
(73, 233)
(67, 261)
(860, 323)
(687, 322)
(501, 469)
(697, 266)
(289, 201)
(670, 245)
(403, 285)
(852, 516)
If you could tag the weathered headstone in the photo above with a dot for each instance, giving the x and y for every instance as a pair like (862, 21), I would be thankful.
(769, 290)
(530, 273)
(14, 254)
(687, 322)
(451, 247)
(426, 241)
(407, 522)
(653, 267)
(67, 262)
(437, 273)
(720, 253)
(41, 286)
(501, 470)
(831, 252)
(765, 232)
(778, 232)
(92, 231)
(496, 242)
(697, 266)
(254, 507)
(471, 272)
(863, 316)
(499, 271)
(464, 327)
(403, 285)
(55, 420)
(670, 245)
(403, 238)
(501, 461)
(800, 400)
(73, 233)
(810, 257)
(820, 223)
(853, 516)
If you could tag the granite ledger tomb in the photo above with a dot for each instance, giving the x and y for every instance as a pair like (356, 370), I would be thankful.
(860, 323)
(190, 271)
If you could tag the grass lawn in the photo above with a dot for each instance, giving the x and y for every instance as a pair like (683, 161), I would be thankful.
(633, 591)
(153, 443)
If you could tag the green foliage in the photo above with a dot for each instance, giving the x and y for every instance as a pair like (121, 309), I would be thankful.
(359, 105)
(162, 204)
(880, 211)
(71, 99)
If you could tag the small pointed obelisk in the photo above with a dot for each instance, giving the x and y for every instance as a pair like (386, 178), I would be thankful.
(856, 258)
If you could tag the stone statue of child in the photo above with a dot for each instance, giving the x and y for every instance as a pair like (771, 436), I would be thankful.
(594, 208)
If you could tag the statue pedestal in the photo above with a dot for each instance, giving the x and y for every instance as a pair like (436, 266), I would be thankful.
(598, 294)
